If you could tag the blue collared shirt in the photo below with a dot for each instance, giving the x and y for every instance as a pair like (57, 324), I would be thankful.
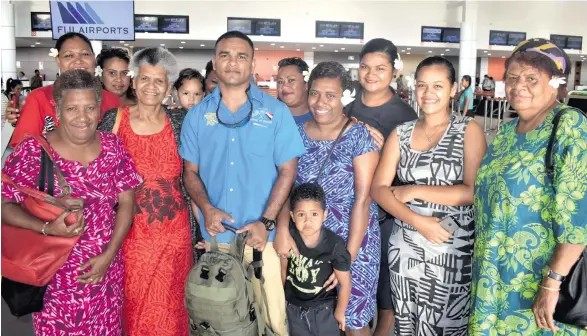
(239, 165)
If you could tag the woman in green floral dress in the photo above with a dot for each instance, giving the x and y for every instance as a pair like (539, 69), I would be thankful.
(528, 236)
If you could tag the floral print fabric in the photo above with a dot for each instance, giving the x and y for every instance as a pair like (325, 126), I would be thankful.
(520, 220)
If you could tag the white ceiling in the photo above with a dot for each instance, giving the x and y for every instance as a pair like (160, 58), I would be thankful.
(428, 49)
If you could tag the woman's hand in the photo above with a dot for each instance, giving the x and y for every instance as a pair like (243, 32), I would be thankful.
(12, 113)
(544, 304)
(98, 266)
(404, 194)
(203, 245)
(60, 229)
(377, 136)
(340, 318)
(430, 228)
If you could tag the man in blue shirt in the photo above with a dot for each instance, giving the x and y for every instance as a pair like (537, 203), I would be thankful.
(292, 88)
(240, 148)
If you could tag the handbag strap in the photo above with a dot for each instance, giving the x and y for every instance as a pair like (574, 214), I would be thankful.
(321, 171)
(65, 188)
(117, 121)
(31, 192)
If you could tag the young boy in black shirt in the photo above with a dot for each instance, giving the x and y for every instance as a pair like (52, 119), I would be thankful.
(311, 310)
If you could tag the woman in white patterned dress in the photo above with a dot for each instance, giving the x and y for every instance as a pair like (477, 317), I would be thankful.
(436, 158)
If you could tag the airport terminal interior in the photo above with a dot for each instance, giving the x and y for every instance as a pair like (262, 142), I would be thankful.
(483, 41)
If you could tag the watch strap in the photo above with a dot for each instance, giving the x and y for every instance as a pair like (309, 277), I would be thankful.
(553, 275)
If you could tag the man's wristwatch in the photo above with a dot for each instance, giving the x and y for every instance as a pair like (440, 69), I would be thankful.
(553, 275)
(269, 223)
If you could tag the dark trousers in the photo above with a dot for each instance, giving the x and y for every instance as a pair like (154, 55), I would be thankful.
(384, 286)
(314, 321)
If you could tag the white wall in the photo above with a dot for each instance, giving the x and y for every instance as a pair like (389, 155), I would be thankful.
(29, 59)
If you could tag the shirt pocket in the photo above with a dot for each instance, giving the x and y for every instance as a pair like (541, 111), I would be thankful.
(260, 139)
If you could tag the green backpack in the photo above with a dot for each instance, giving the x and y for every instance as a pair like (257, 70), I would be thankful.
(219, 293)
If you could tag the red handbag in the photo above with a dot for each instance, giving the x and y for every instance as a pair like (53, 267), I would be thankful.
(30, 257)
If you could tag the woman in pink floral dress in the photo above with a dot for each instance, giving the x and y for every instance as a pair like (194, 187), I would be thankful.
(85, 296)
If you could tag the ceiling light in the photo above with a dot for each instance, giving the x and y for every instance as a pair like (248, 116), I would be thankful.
(336, 51)
(502, 56)
(272, 43)
(408, 48)
(256, 48)
(430, 51)
(180, 47)
(485, 51)
(281, 47)
(121, 41)
(342, 48)
(202, 45)
(408, 53)
(322, 45)
(126, 44)
(162, 44)
(314, 48)
(441, 54)
(182, 42)
(404, 50)
(447, 50)
(297, 49)
(32, 45)
(488, 54)
(37, 42)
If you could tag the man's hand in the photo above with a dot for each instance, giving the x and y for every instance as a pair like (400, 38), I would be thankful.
(213, 218)
(12, 113)
(257, 235)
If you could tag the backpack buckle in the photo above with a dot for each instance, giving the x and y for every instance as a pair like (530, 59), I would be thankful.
(205, 325)
(252, 314)
(220, 276)
(204, 273)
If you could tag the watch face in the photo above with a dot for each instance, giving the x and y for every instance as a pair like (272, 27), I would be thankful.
(270, 225)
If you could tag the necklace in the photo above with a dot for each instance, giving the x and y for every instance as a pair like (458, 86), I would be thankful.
(430, 136)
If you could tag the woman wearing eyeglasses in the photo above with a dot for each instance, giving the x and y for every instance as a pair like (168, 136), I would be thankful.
(158, 249)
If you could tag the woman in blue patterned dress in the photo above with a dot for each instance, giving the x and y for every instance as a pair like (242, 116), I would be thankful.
(436, 159)
(346, 178)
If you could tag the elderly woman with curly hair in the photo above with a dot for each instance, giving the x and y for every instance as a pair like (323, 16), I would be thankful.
(158, 250)
(530, 225)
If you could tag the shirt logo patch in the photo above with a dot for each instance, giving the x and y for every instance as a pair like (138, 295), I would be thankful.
(211, 119)
(262, 117)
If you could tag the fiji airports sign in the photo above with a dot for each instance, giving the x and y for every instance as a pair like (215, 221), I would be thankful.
(96, 19)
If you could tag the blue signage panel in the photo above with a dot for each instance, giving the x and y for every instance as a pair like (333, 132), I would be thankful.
(98, 20)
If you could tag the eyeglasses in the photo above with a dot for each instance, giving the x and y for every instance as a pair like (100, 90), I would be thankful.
(240, 123)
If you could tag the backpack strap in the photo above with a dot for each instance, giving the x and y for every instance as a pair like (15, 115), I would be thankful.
(548, 160)
(258, 264)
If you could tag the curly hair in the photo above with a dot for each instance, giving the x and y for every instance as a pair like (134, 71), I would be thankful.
(331, 69)
(308, 192)
(298, 62)
(77, 79)
(157, 57)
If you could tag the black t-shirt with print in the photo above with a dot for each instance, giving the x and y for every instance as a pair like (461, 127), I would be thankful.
(307, 272)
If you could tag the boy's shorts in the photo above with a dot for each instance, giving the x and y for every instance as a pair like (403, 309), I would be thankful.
(314, 321)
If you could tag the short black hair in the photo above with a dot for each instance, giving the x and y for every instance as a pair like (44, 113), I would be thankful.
(307, 192)
(331, 69)
(209, 69)
(188, 74)
(440, 61)
(468, 79)
(380, 45)
(70, 36)
(298, 62)
(235, 34)
(76, 80)
(107, 54)
(37, 71)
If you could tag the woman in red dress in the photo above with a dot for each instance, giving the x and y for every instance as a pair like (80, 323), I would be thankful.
(158, 249)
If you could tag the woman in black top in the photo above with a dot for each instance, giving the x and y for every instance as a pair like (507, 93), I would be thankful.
(381, 109)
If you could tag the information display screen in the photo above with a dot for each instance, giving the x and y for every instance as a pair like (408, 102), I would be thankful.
(40, 21)
(515, 38)
(242, 25)
(498, 37)
(174, 24)
(268, 27)
(559, 40)
(431, 34)
(451, 35)
(146, 23)
(575, 42)
(334, 29)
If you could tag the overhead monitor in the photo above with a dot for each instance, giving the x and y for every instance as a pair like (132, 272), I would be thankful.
(574, 42)
(559, 40)
(431, 34)
(179, 24)
(451, 35)
(514, 38)
(255, 26)
(146, 23)
(97, 20)
(497, 37)
(40, 21)
(335, 29)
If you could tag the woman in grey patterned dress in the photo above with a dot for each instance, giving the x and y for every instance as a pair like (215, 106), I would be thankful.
(436, 158)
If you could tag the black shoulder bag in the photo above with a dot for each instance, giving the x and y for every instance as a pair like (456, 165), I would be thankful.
(571, 307)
